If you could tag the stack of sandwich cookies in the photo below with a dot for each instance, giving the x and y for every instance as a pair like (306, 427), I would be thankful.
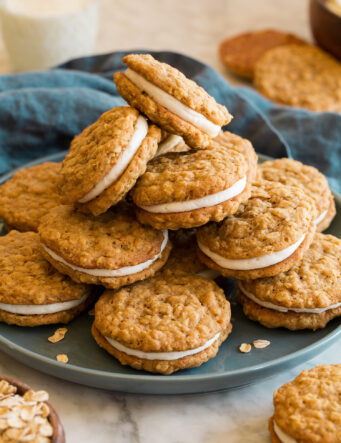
(308, 409)
(267, 236)
(292, 172)
(170, 100)
(163, 324)
(185, 190)
(32, 292)
(307, 296)
(107, 158)
(112, 250)
(29, 195)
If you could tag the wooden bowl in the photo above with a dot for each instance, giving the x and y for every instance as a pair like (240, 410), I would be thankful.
(58, 430)
(326, 27)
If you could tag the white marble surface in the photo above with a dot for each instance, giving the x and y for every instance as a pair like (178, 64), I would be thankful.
(194, 27)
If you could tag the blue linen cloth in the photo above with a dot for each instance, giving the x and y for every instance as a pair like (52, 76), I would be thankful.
(40, 112)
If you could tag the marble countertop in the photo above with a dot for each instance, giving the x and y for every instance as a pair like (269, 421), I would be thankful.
(194, 27)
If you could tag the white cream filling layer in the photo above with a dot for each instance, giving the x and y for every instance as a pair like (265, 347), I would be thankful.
(283, 437)
(42, 309)
(320, 217)
(168, 144)
(173, 105)
(246, 264)
(209, 273)
(269, 305)
(160, 355)
(204, 202)
(125, 158)
(121, 272)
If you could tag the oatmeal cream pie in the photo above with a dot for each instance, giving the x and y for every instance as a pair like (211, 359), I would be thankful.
(307, 296)
(185, 190)
(106, 159)
(112, 250)
(292, 172)
(308, 409)
(267, 235)
(164, 323)
(29, 195)
(32, 292)
(170, 100)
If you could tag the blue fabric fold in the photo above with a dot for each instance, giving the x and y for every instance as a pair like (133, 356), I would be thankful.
(40, 112)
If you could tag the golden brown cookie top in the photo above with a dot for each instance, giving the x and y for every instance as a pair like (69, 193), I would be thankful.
(302, 76)
(29, 195)
(189, 175)
(27, 278)
(295, 173)
(175, 83)
(274, 218)
(309, 408)
(241, 52)
(313, 282)
(109, 241)
(164, 313)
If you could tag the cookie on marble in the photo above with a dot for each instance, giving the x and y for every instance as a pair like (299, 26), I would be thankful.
(29, 195)
(112, 250)
(295, 173)
(185, 190)
(163, 324)
(170, 100)
(307, 296)
(171, 143)
(241, 52)
(308, 409)
(302, 76)
(32, 292)
(106, 159)
(266, 236)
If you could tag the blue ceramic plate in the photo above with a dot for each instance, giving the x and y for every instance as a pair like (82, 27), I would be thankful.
(91, 366)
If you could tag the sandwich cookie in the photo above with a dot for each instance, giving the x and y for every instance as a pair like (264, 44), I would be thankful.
(112, 250)
(308, 409)
(295, 173)
(106, 159)
(32, 292)
(29, 195)
(307, 296)
(185, 190)
(171, 143)
(170, 100)
(267, 236)
(163, 324)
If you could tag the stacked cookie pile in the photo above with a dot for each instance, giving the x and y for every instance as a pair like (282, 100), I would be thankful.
(103, 219)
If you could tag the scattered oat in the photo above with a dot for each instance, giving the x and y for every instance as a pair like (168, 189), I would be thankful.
(245, 347)
(58, 335)
(63, 358)
(6, 389)
(260, 344)
(91, 312)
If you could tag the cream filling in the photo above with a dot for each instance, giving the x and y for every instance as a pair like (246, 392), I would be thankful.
(160, 355)
(168, 144)
(173, 105)
(121, 272)
(320, 217)
(204, 202)
(42, 309)
(283, 437)
(125, 158)
(209, 273)
(269, 305)
(246, 264)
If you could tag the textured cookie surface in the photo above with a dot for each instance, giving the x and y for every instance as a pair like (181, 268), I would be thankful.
(308, 408)
(29, 195)
(241, 52)
(303, 76)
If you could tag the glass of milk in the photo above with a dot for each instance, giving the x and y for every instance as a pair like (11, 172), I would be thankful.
(39, 34)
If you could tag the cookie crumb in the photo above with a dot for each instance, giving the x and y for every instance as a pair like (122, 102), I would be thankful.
(58, 335)
(245, 348)
(260, 343)
(63, 358)
(91, 312)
